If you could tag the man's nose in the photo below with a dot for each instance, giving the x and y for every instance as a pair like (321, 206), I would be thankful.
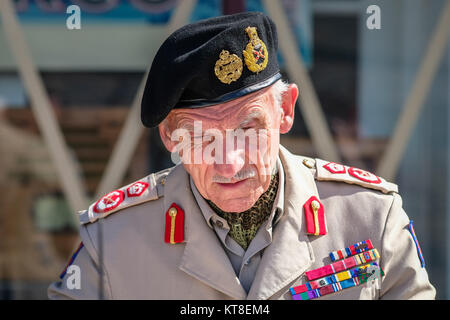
(234, 161)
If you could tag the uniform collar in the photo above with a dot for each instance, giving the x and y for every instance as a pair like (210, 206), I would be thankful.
(279, 200)
(205, 209)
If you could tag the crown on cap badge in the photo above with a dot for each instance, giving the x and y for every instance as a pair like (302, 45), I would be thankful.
(228, 68)
(255, 53)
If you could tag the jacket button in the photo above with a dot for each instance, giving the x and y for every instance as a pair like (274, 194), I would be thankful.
(309, 163)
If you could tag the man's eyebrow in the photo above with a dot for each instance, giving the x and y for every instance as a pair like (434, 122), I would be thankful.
(257, 115)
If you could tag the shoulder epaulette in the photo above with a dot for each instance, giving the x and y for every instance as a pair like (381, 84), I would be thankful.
(331, 171)
(143, 190)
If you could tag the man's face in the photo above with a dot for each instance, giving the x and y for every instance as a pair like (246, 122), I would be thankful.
(230, 150)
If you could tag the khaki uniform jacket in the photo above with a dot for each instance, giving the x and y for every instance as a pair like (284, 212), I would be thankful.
(138, 264)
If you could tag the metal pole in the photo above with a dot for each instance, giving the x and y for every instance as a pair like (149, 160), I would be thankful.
(66, 166)
(414, 103)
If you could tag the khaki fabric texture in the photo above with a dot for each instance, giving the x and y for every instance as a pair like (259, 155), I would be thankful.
(138, 264)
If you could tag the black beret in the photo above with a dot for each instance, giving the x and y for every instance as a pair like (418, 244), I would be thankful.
(211, 62)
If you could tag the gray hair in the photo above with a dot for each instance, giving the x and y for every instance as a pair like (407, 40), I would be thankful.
(279, 89)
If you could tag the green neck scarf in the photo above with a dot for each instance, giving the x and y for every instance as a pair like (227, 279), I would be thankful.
(244, 225)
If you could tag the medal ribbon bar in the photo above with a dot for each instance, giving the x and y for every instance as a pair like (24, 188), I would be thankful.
(352, 250)
(335, 278)
(334, 287)
(342, 265)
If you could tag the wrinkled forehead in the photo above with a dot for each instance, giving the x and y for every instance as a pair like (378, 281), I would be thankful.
(255, 106)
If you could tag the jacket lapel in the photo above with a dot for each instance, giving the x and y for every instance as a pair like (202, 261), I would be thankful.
(290, 253)
(203, 257)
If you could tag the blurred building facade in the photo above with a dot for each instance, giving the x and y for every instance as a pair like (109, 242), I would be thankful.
(362, 78)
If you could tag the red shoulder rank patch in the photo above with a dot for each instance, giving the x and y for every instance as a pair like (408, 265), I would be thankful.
(137, 188)
(315, 217)
(364, 175)
(109, 201)
(330, 171)
(174, 232)
(335, 167)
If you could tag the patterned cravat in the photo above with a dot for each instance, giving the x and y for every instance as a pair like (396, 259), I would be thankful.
(244, 225)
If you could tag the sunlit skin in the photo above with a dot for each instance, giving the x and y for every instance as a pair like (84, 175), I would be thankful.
(237, 195)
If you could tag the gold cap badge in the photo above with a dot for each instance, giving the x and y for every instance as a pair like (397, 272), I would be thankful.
(228, 68)
(255, 53)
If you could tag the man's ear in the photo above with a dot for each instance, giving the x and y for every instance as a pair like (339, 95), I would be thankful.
(165, 134)
(288, 106)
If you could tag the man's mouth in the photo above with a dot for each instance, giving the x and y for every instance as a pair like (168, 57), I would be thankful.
(237, 179)
(233, 183)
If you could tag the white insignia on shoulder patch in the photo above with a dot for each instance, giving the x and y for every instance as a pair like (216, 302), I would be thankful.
(335, 167)
(109, 201)
(133, 194)
(137, 189)
(330, 171)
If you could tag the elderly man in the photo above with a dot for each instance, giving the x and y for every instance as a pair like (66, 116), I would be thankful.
(240, 217)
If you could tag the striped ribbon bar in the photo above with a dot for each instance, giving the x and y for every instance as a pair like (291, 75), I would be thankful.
(334, 287)
(335, 278)
(342, 265)
(352, 250)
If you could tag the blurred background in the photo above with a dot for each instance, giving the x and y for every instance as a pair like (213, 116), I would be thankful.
(375, 93)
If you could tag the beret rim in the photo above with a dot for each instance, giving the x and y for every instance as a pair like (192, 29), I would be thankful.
(200, 103)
